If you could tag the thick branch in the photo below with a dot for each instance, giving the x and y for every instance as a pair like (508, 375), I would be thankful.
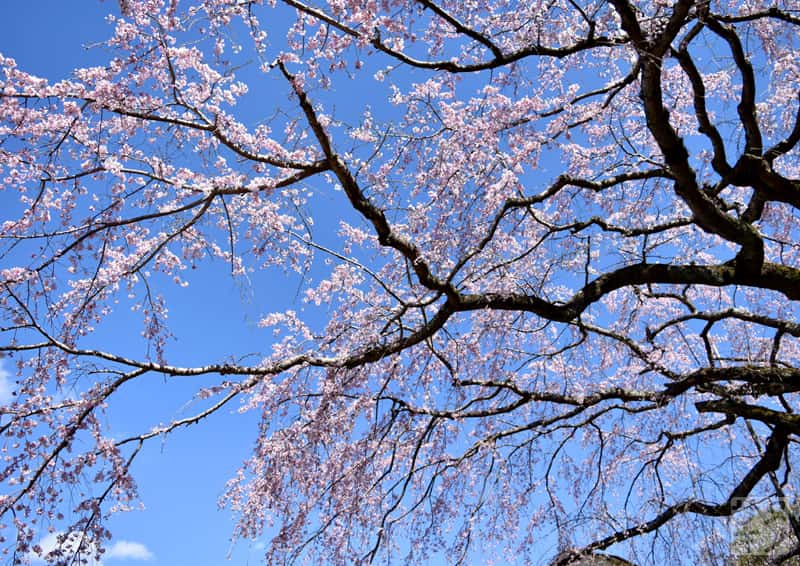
(719, 161)
(747, 103)
(772, 276)
(708, 214)
(790, 422)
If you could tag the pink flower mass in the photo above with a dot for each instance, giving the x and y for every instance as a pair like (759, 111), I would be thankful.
(524, 276)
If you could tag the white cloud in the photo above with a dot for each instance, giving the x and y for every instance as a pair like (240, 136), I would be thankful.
(6, 384)
(128, 550)
(119, 551)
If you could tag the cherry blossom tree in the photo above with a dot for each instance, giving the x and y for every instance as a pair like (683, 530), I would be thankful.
(546, 255)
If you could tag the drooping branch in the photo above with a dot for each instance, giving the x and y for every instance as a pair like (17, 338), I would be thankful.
(372, 213)
(769, 461)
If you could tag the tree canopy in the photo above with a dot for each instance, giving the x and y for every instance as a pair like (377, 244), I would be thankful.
(543, 263)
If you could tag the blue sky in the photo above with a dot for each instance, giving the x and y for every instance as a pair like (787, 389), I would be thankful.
(181, 477)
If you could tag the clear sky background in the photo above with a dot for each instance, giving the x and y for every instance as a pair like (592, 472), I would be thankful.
(181, 477)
